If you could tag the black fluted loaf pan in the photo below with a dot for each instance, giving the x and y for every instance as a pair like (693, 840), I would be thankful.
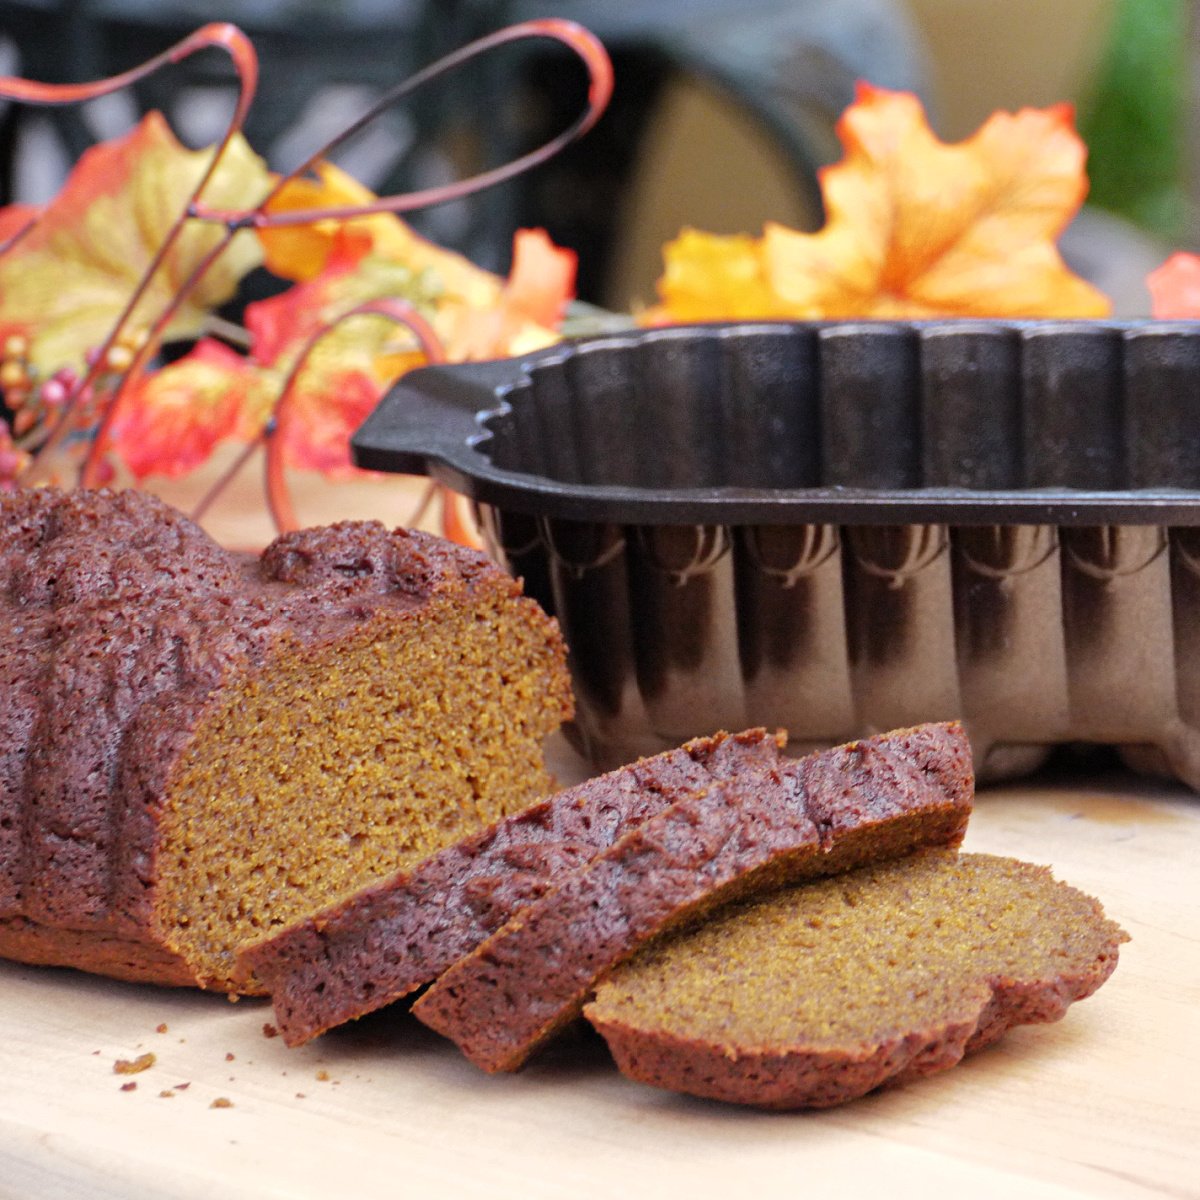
(845, 527)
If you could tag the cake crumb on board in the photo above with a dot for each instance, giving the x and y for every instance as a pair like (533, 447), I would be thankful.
(132, 1066)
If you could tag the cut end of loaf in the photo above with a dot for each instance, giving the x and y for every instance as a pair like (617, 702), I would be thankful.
(341, 764)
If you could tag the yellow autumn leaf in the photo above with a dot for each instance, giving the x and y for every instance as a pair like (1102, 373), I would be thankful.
(66, 281)
(475, 313)
(914, 228)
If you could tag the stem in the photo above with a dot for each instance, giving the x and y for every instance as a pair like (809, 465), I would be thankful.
(225, 478)
(227, 331)
(584, 43)
(279, 499)
(415, 517)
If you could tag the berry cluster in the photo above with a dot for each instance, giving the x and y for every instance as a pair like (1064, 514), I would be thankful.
(32, 405)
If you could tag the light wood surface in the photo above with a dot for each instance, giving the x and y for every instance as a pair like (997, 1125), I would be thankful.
(1103, 1104)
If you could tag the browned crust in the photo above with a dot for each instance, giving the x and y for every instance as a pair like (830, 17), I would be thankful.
(94, 951)
(390, 939)
(804, 1077)
(880, 797)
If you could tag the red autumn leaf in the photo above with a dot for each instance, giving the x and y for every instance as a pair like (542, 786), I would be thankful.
(316, 423)
(348, 367)
(14, 218)
(170, 421)
(351, 365)
(1175, 287)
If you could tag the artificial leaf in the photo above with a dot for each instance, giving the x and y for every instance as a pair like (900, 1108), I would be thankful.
(710, 277)
(476, 314)
(349, 367)
(523, 316)
(326, 407)
(302, 252)
(64, 284)
(914, 227)
(1175, 287)
(346, 368)
(542, 279)
(280, 324)
(169, 422)
(14, 218)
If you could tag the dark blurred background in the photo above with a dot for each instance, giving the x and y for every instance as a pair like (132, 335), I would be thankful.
(722, 113)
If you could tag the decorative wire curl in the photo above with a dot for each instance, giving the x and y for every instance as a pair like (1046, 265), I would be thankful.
(245, 61)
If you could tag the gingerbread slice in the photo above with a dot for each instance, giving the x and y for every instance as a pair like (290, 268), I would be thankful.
(819, 993)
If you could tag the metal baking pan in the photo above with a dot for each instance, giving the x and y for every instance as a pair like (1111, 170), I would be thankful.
(845, 527)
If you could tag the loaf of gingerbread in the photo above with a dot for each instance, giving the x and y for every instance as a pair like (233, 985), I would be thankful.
(198, 747)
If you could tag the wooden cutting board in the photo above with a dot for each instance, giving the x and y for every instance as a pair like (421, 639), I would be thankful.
(1105, 1103)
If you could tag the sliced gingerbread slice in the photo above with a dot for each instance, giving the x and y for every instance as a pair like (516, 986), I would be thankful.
(819, 993)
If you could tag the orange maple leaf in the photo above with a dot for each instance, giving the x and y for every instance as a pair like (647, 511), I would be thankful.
(66, 281)
(714, 278)
(1175, 287)
(914, 227)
